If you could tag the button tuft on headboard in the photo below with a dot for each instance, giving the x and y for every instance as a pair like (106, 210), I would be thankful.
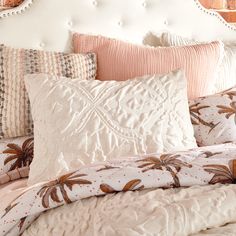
(120, 23)
(42, 45)
(70, 23)
(166, 22)
(144, 4)
(124, 19)
(95, 3)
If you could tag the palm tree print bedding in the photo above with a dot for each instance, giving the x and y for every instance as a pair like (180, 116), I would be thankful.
(16, 156)
(200, 166)
(214, 118)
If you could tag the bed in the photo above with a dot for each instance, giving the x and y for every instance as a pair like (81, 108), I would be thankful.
(103, 200)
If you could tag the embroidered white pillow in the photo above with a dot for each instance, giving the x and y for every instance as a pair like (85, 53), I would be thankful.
(77, 123)
(227, 71)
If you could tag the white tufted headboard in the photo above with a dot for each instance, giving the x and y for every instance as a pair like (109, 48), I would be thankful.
(47, 24)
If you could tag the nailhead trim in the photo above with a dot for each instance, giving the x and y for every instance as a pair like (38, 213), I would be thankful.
(17, 10)
(215, 14)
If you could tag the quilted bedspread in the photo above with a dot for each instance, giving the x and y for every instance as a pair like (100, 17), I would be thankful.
(183, 193)
(182, 212)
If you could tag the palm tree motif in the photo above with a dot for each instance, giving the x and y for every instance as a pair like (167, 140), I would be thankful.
(9, 208)
(199, 143)
(228, 142)
(210, 154)
(228, 111)
(229, 93)
(50, 190)
(12, 205)
(22, 156)
(107, 167)
(195, 113)
(222, 173)
(130, 186)
(22, 222)
(166, 162)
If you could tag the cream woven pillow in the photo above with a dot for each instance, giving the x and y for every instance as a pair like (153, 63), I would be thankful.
(80, 122)
(15, 115)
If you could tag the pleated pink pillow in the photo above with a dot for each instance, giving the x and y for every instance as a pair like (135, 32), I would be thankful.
(118, 60)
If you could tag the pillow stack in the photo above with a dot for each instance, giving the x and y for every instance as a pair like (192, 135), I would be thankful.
(108, 100)
(16, 125)
(214, 116)
(15, 117)
(123, 114)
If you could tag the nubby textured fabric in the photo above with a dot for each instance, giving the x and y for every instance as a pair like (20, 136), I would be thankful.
(15, 114)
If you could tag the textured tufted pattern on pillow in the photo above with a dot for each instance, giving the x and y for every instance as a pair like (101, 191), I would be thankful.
(81, 122)
(214, 118)
(15, 115)
(227, 71)
(120, 61)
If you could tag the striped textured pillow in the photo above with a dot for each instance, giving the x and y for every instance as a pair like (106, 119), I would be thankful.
(15, 114)
(119, 60)
(227, 71)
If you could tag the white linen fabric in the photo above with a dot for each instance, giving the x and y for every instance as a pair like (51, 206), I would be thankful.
(227, 71)
(78, 122)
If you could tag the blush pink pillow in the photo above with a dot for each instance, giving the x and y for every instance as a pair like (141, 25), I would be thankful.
(118, 60)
